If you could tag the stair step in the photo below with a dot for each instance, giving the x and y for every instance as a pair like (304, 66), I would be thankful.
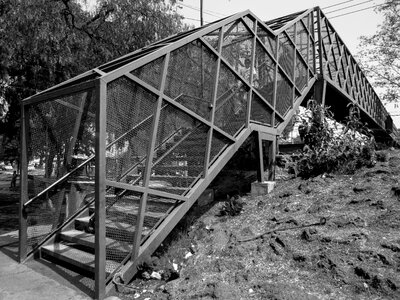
(179, 181)
(78, 258)
(116, 230)
(88, 240)
(116, 249)
(128, 213)
(172, 189)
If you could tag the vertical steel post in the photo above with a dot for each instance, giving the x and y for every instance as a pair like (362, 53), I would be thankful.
(275, 81)
(23, 238)
(250, 95)
(148, 165)
(320, 49)
(100, 189)
(260, 171)
(294, 65)
(213, 105)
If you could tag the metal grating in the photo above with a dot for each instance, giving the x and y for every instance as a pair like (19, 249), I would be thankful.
(191, 77)
(260, 111)
(267, 39)
(300, 74)
(231, 105)
(218, 144)
(238, 47)
(286, 55)
(130, 111)
(284, 95)
(151, 72)
(213, 38)
(266, 74)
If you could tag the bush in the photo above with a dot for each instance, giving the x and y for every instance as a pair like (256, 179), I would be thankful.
(231, 207)
(329, 148)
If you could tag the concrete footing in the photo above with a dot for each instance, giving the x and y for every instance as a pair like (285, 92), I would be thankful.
(262, 188)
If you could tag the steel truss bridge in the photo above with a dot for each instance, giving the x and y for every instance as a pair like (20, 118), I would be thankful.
(125, 150)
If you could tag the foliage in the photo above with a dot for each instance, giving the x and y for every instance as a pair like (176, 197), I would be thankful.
(329, 148)
(43, 43)
(231, 207)
(380, 55)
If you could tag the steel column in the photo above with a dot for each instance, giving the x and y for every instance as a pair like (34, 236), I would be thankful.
(100, 190)
(23, 238)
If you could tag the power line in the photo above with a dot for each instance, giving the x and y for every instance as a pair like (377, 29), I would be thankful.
(339, 9)
(355, 11)
(337, 4)
(195, 20)
(206, 11)
(197, 9)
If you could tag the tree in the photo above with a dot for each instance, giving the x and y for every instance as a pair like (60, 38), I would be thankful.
(380, 55)
(43, 43)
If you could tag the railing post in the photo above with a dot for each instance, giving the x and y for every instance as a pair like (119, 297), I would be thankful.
(23, 238)
(100, 190)
(148, 165)
(213, 105)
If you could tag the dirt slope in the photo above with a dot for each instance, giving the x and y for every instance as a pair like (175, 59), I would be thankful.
(354, 255)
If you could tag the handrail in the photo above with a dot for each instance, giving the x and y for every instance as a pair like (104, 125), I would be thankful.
(144, 158)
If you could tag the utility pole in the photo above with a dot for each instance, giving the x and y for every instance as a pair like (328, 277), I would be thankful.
(201, 13)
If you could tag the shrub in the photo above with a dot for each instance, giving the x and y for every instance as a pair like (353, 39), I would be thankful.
(231, 207)
(329, 148)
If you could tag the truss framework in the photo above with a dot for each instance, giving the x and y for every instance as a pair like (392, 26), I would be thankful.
(175, 110)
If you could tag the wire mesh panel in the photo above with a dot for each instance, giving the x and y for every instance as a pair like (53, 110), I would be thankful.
(266, 74)
(302, 40)
(61, 137)
(260, 112)
(60, 133)
(284, 94)
(151, 73)
(130, 111)
(300, 74)
(191, 77)
(179, 152)
(231, 104)
(238, 47)
(290, 31)
(267, 39)
(286, 55)
(213, 38)
(249, 21)
(218, 144)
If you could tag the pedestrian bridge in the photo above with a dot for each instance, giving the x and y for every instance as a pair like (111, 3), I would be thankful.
(127, 148)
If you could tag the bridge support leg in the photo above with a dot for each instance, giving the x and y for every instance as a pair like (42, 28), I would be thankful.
(320, 90)
(267, 145)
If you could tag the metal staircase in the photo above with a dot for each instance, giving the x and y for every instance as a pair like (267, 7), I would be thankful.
(125, 150)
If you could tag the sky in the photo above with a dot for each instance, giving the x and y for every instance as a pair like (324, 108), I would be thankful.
(349, 27)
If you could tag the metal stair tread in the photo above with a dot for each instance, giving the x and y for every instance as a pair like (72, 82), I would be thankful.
(88, 240)
(76, 257)
(133, 210)
(114, 225)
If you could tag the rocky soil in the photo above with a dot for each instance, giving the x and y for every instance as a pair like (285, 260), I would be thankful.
(329, 237)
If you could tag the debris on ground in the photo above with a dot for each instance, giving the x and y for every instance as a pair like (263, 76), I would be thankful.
(355, 254)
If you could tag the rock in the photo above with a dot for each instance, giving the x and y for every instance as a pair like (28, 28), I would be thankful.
(299, 257)
(359, 271)
(396, 191)
(285, 194)
(304, 188)
(391, 246)
(155, 275)
(305, 235)
(360, 188)
(379, 204)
